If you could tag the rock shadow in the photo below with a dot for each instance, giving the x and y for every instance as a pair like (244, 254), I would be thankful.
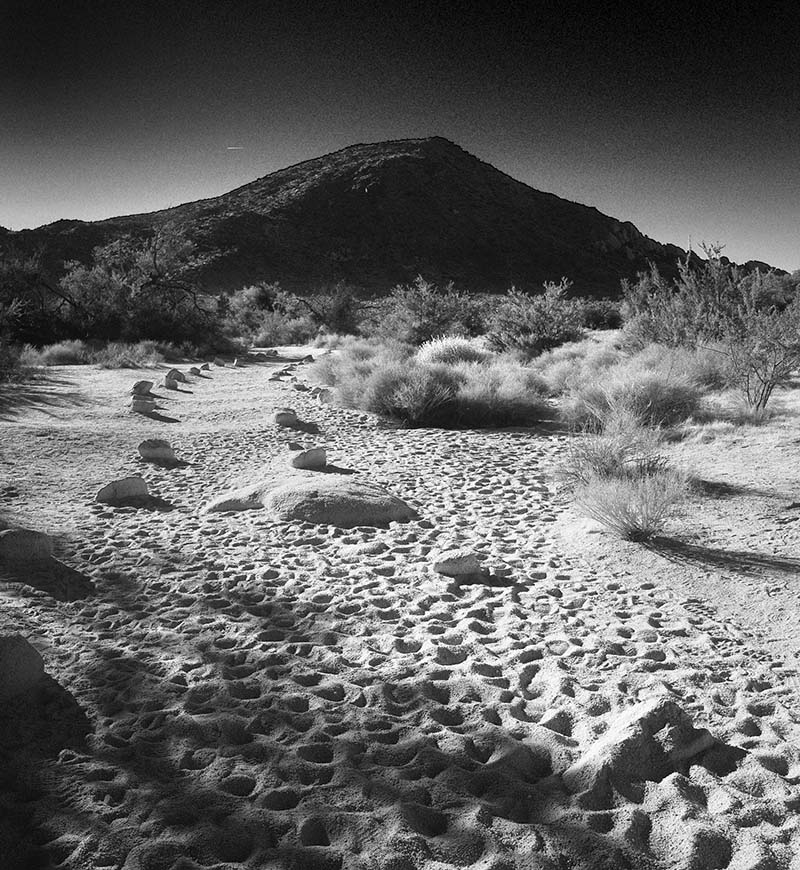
(304, 426)
(146, 503)
(741, 561)
(160, 418)
(50, 576)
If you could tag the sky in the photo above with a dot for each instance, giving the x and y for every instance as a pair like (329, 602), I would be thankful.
(682, 118)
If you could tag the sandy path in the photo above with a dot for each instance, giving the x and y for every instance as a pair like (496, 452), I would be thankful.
(232, 692)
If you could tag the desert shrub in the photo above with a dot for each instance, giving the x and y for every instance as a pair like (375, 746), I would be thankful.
(576, 361)
(655, 396)
(416, 313)
(635, 508)
(499, 394)
(64, 353)
(389, 380)
(124, 355)
(534, 324)
(451, 349)
(708, 366)
(13, 366)
(625, 450)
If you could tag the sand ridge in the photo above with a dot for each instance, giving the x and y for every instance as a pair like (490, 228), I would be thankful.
(227, 691)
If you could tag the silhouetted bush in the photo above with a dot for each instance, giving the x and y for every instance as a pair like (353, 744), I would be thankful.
(533, 324)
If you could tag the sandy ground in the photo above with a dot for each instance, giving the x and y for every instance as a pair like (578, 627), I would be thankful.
(225, 691)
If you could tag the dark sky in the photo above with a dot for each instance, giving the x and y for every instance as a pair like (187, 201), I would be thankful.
(684, 118)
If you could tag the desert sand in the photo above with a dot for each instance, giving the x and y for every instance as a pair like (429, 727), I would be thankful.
(225, 690)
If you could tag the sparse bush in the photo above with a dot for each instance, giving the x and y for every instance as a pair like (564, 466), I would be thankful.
(625, 450)
(451, 349)
(534, 324)
(499, 394)
(12, 366)
(634, 508)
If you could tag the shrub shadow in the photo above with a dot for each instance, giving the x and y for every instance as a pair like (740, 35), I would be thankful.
(741, 561)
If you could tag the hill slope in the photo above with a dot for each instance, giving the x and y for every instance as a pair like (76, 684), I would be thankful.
(382, 213)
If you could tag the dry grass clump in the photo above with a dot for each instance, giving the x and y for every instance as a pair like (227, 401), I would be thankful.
(393, 382)
(635, 509)
(622, 479)
(575, 362)
(451, 349)
(64, 353)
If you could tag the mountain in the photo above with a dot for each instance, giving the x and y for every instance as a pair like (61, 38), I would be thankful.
(379, 214)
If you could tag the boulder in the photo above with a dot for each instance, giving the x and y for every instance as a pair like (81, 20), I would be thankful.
(156, 450)
(143, 406)
(194, 371)
(170, 384)
(336, 500)
(127, 489)
(285, 417)
(649, 741)
(457, 562)
(21, 666)
(307, 359)
(313, 459)
(309, 496)
(176, 375)
(24, 545)
(219, 362)
(205, 367)
(142, 388)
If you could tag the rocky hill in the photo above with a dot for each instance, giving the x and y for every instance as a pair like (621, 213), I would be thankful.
(380, 214)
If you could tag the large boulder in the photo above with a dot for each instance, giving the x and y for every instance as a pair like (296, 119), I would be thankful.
(24, 545)
(334, 499)
(156, 450)
(21, 666)
(647, 742)
(338, 501)
(123, 491)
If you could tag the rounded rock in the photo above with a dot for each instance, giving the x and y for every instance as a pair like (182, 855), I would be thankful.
(285, 417)
(313, 459)
(142, 388)
(456, 563)
(24, 545)
(156, 450)
(143, 406)
(21, 666)
(122, 490)
(176, 375)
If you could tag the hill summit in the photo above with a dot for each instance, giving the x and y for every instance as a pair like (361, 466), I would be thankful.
(378, 214)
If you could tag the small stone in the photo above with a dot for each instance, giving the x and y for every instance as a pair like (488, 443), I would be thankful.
(176, 375)
(170, 384)
(143, 406)
(24, 545)
(219, 362)
(313, 459)
(307, 359)
(156, 450)
(456, 563)
(301, 388)
(21, 666)
(142, 388)
(285, 417)
(194, 370)
(205, 367)
(126, 489)
(237, 364)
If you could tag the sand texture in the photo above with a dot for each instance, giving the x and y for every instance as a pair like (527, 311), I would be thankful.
(232, 690)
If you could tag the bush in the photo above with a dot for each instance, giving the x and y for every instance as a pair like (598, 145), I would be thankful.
(65, 353)
(12, 366)
(451, 349)
(574, 362)
(390, 381)
(600, 313)
(625, 451)
(634, 508)
(655, 396)
(533, 324)
(417, 312)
